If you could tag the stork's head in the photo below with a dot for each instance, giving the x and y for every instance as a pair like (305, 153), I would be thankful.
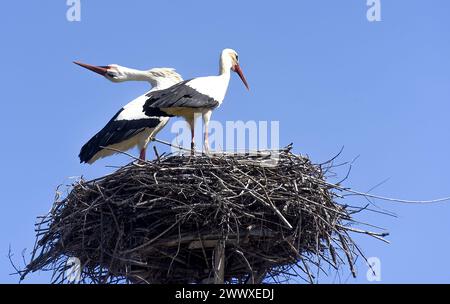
(112, 72)
(230, 60)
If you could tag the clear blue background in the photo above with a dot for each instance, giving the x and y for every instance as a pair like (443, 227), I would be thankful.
(328, 75)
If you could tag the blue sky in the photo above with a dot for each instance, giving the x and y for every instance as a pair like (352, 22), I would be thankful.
(329, 76)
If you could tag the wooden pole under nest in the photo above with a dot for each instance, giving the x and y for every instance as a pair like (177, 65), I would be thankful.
(219, 263)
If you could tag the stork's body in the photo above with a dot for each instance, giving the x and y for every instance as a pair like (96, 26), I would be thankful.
(196, 96)
(130, 126)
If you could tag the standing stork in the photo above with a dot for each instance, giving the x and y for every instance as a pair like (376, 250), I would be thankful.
(130, 126)
(196, 96)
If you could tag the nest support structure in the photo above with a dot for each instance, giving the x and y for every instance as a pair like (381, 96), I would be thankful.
(222, 218)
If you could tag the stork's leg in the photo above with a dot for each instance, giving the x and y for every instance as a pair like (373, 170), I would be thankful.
(190, 119)
(206, 141)
(192, 139)
(206, 119)
(143, 153)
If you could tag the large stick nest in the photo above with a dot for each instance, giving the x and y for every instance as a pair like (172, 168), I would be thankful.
(172, 219)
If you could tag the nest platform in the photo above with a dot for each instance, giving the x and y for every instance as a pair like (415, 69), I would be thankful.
(222, 218)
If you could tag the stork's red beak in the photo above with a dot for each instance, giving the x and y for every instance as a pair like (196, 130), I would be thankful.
(97, 69)
(238, 70)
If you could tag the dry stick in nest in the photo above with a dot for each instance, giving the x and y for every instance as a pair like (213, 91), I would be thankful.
(162, 221)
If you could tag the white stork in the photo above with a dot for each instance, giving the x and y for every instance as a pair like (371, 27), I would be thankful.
(196, 96)
(130, 126)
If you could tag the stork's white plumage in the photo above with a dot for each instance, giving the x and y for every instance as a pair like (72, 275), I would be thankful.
(196, 96)
(130, 126)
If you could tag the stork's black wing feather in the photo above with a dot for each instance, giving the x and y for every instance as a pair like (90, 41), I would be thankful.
(179, 95)
(115, 132)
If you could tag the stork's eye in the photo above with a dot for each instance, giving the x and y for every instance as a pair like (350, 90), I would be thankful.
(237, 57)
(111, 74)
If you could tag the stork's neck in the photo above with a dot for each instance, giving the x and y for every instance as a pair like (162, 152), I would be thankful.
(225, 66)
(138, 75)
(225, 72)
